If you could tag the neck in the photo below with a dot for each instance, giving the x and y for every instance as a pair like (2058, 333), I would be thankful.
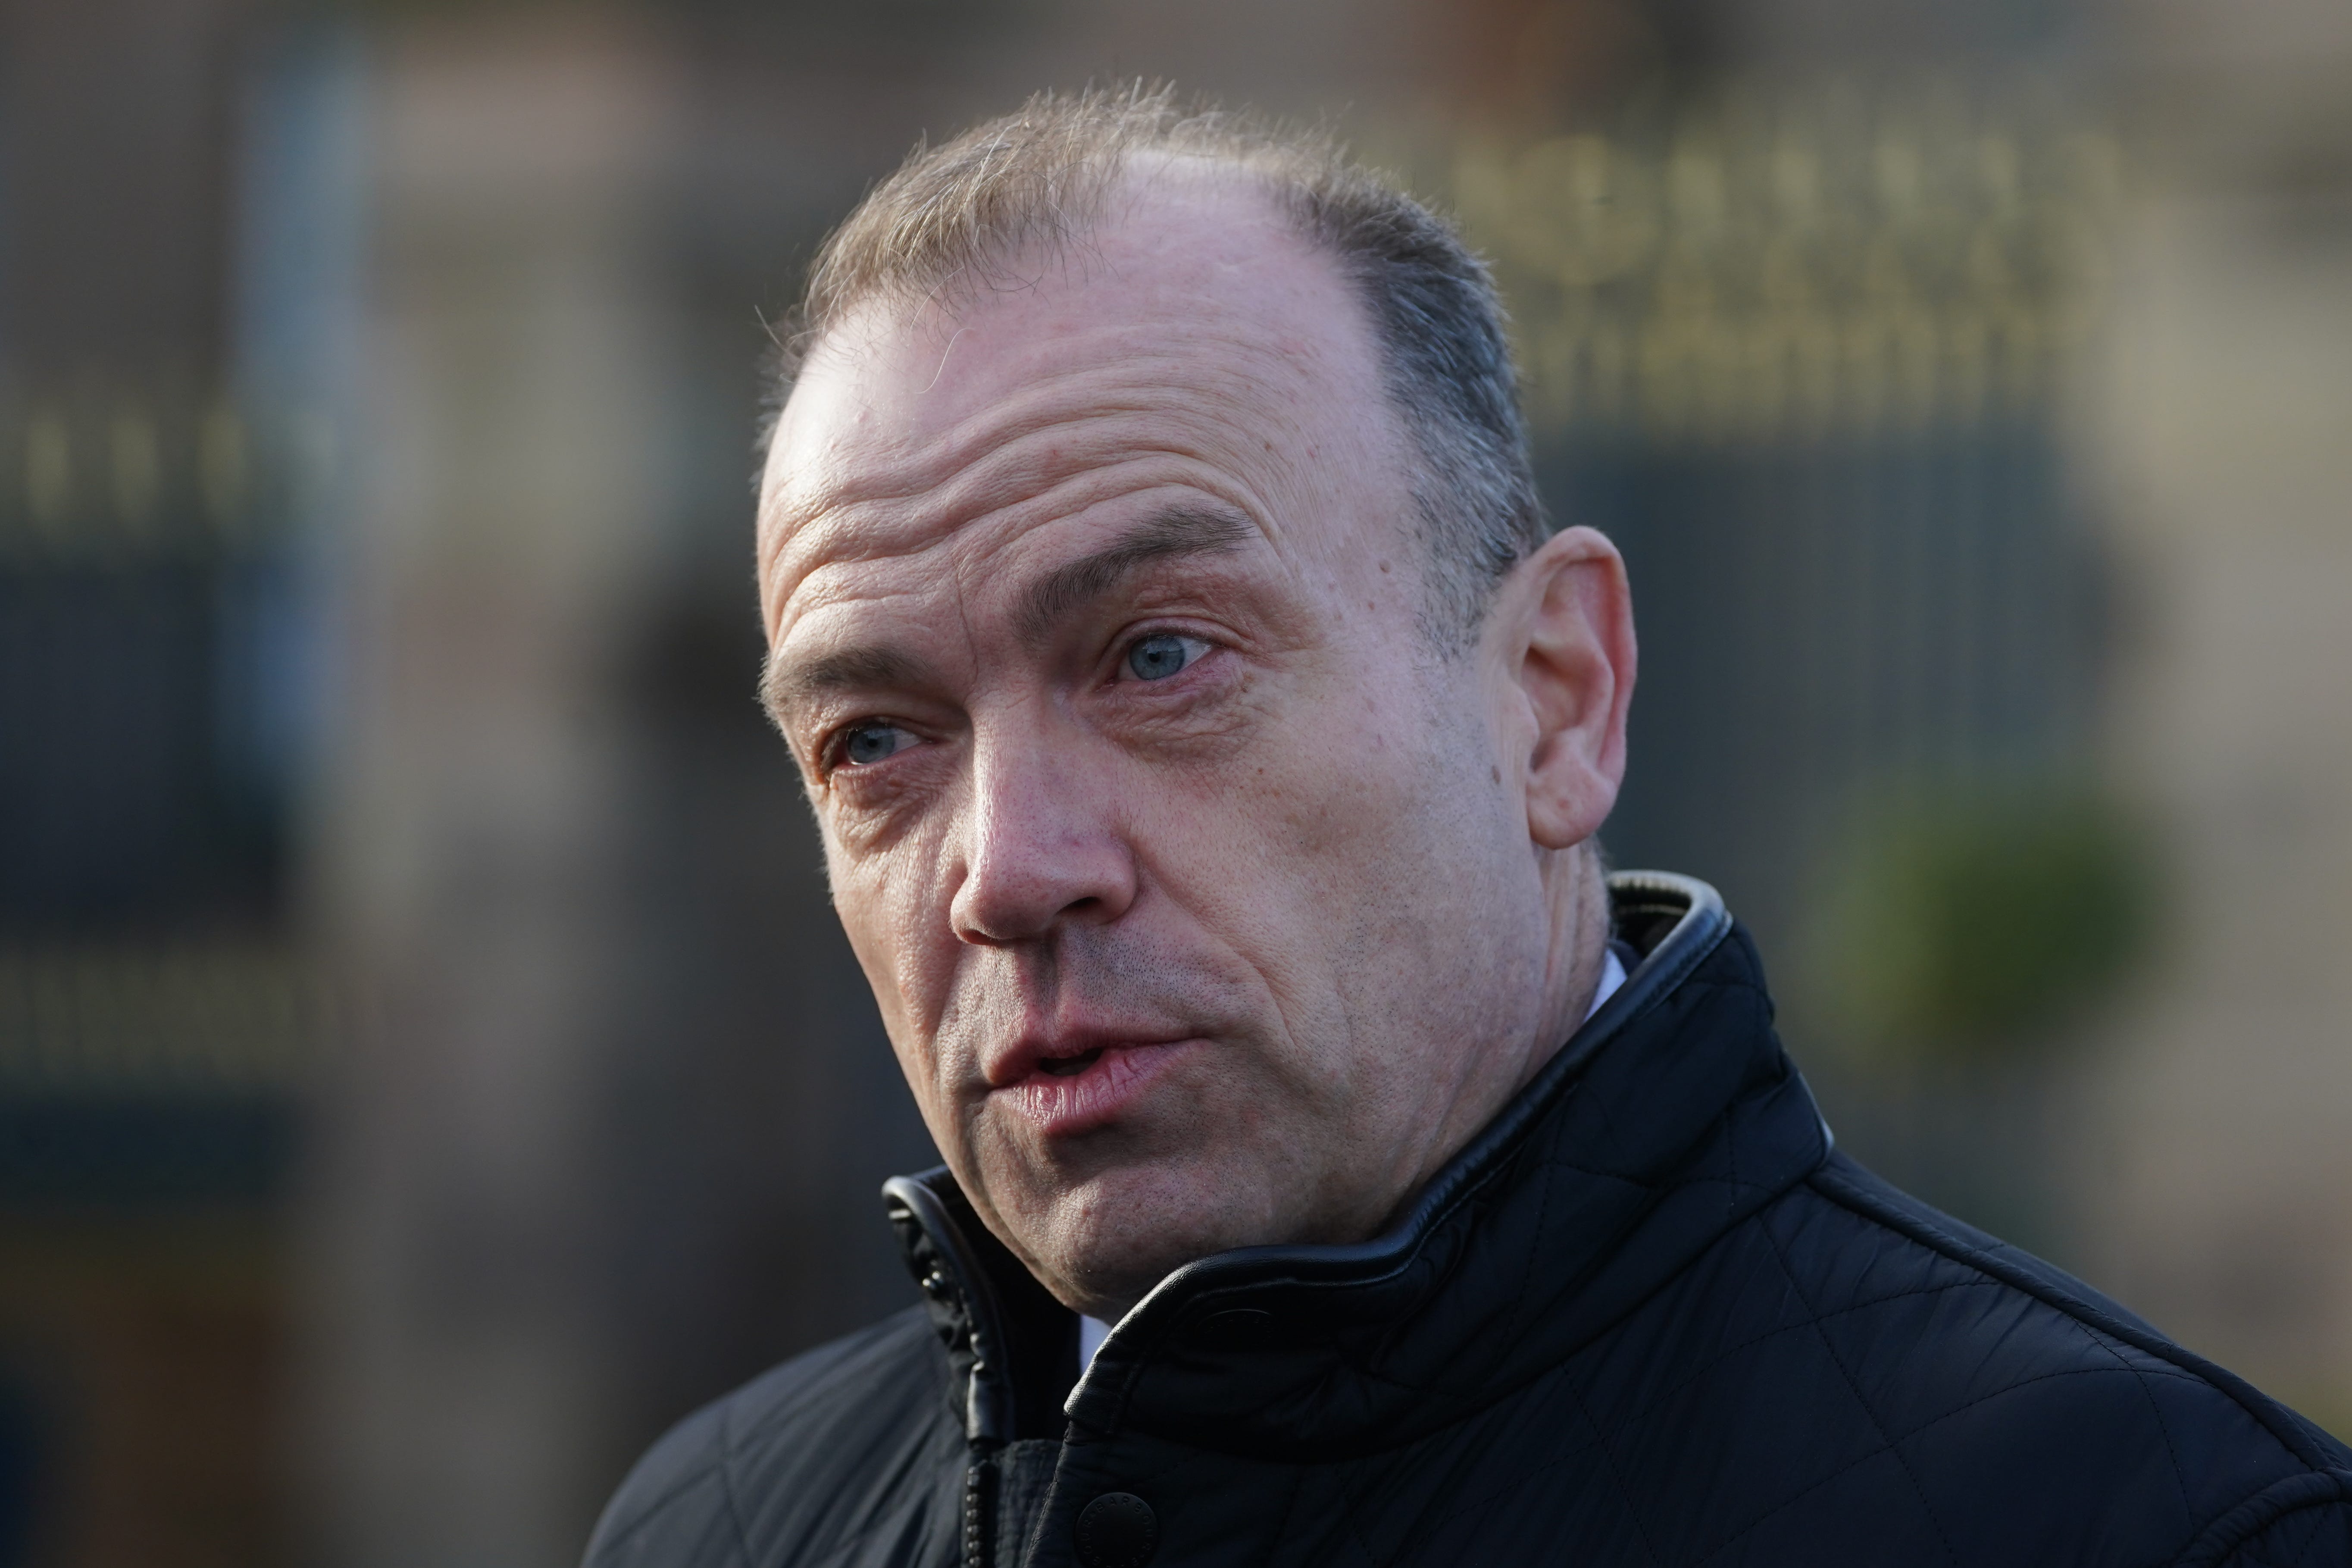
(1576, 899)
(1576, 895)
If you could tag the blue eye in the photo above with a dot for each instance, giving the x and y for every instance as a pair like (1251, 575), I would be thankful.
(1159, 656)
(871, 742)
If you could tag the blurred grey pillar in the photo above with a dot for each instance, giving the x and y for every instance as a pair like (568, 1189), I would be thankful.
(469, 843)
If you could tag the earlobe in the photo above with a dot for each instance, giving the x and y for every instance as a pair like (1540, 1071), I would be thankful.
(1576, 656)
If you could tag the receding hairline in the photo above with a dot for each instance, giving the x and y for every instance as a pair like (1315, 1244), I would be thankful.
(785, 509)
(1129, 179)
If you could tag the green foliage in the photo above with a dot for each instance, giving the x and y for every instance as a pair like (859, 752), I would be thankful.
(1974, 926)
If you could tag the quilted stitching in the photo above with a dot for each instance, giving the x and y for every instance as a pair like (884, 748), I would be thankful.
(2156, 1411)
(1625, 1497)
(1699, 1373)
(1877, 1424)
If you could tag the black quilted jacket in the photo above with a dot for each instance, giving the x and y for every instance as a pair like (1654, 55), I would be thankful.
(1648, 1317)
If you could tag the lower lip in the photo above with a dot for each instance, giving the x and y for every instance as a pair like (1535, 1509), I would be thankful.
(1112, 1085)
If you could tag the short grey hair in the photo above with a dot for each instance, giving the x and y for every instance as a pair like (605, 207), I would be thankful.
(953, 213)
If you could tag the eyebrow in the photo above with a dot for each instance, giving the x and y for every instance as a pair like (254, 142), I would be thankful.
(1178, 531)
(844, 669)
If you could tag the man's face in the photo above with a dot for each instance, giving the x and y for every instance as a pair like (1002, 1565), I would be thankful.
(1198, 907)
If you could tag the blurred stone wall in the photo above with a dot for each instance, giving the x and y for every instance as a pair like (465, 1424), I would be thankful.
(472, 829)
(157, 1014)
(2218, 429)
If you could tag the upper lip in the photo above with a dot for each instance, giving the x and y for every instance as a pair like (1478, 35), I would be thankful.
(1034, 1048)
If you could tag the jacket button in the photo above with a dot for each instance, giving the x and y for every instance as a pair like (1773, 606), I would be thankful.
(1117, 1530)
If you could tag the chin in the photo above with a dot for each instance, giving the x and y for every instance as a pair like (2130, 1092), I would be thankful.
(1108, 1242)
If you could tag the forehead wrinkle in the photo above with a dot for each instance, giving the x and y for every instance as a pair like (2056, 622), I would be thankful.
(875, 528)
(780, 588)
(1016, 464)
(1013, 441)
(1005, 495)
(940, 480)
(1129, 375)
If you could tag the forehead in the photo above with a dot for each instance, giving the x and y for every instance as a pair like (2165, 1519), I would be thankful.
(1192, 341)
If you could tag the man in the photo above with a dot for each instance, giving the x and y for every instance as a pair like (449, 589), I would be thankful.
(1209, 740)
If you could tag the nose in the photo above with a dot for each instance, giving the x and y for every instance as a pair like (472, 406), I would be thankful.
(1041, 846)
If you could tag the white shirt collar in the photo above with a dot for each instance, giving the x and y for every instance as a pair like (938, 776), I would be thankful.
(1092, 1331)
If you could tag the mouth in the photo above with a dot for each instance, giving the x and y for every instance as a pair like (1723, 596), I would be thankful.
(1084, 1090)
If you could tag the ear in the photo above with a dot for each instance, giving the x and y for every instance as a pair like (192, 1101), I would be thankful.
(1562, 637)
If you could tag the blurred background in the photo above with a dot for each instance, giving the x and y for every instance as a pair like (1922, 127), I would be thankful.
(428, 1065)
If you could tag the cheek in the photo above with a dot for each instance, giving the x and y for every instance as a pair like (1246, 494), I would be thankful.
(1350, 790)
(1321, 833)
(884, 902)
(886, 937)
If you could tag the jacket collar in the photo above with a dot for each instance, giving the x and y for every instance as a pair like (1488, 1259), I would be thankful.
(1667, 1118)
